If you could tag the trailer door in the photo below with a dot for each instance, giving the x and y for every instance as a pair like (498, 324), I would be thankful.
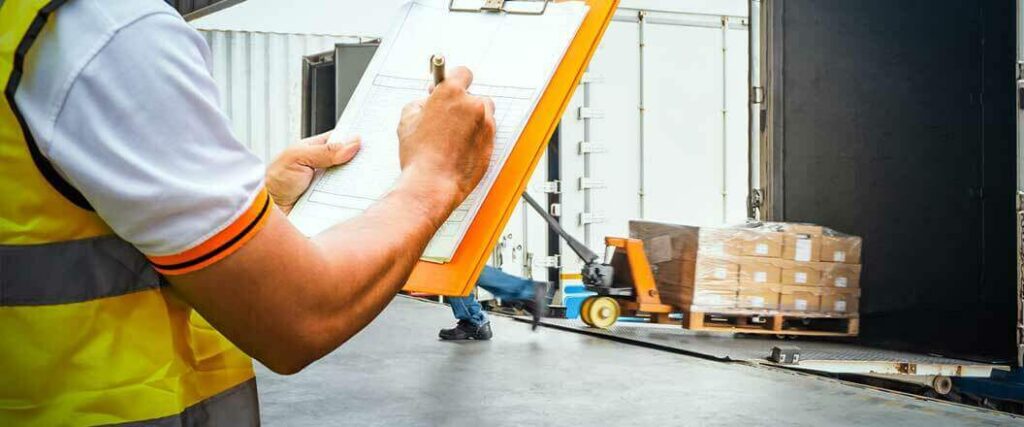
(892, 121)
(1020, 182)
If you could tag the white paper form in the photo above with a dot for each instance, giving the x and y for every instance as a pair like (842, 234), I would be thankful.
(513, 58)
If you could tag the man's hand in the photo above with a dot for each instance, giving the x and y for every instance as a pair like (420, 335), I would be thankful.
(447, 139)
(291, 173)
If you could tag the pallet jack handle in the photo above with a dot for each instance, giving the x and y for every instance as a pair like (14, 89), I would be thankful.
(582, 250)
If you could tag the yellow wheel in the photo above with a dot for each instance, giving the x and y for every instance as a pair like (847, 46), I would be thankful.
(602, 312)
(585, 311)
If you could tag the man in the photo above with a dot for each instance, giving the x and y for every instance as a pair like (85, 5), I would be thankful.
(132, 221)
(473, 323)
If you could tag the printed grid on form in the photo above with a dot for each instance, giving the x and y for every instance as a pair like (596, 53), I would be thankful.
(357, 191)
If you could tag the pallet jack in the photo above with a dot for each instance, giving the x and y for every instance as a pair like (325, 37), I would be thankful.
(623, 281)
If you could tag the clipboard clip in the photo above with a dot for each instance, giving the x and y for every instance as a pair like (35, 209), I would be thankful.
(501, 6)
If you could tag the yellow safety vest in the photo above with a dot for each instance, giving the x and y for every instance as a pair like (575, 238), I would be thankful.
(88, 334)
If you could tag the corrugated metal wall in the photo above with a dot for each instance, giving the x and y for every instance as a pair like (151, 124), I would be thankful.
(260, 79)
(668, 103)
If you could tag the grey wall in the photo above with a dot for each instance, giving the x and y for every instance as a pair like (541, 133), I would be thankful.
(192, 9)
(897, 124)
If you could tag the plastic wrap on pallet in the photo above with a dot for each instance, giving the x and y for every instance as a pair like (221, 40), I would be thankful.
(800, 299)
(840, 301)
(754, 268)
(761, 297)
(839, 275)
(840, 248)
(714, 297)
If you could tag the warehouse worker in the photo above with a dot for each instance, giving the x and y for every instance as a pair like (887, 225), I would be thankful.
(129, 210)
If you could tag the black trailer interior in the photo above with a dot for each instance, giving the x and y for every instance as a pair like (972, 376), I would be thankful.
(895, 121)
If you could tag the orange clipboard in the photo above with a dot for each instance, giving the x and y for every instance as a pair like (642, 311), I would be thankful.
(458, 276)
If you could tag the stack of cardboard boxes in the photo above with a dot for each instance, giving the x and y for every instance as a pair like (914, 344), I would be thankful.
(757, 268)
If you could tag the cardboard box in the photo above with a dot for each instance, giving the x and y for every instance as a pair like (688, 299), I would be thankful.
(758, 271)
(800, 299)
(801, 247)
(841, 275)
(714, 297)
(766, 244)
(841, 301)
(759, 297)
(714, 270)
(801, 273)
(666, 242)
(845, 249)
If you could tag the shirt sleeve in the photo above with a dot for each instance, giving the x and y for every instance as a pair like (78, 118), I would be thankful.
(141, 135)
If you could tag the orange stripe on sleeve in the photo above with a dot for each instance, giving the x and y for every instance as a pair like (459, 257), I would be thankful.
(224, 243)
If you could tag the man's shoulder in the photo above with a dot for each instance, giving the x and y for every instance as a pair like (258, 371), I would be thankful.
(78, 32)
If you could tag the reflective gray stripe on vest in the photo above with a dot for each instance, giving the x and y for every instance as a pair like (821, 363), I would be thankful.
(74, 271)
(238, 406)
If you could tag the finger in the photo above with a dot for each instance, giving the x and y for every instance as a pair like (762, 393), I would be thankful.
(327, 155)
(347, 140)
(318, 139)
(488, 105)
(459, 76)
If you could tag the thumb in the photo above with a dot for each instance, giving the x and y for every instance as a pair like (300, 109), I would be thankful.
(327, 155)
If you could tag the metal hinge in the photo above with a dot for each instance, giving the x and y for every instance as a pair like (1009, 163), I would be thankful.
(591, 218)
(591, 147)
(756, 198)
(493, 5)
(756, 95)
(1020, 85)
(555, 210)
(553, 261)
(590, 113)
(589, 183)
(551, 187)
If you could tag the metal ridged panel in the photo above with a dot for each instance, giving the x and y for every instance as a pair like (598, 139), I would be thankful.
(260, 80)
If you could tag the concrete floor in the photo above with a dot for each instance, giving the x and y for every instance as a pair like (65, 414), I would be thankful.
(396, 372)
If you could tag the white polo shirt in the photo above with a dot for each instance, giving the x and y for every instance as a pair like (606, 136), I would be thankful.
(119, 97)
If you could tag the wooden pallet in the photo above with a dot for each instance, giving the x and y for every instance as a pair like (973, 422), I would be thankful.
(772, 323)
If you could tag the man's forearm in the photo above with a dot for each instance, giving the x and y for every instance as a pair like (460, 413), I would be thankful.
(288, 300)
(371, 256)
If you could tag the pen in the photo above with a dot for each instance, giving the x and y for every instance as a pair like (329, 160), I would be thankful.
(437, 68)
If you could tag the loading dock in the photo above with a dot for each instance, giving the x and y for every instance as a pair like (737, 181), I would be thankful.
(396, 372)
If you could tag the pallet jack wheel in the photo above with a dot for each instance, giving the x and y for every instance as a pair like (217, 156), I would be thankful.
(600, 312)
(585, 311)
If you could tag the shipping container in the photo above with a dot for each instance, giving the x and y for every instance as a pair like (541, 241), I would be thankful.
(260, 80)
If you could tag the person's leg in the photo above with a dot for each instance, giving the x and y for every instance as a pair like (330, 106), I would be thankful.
(512, 288)
(468, 309)
(506, 286)
(473, 324)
